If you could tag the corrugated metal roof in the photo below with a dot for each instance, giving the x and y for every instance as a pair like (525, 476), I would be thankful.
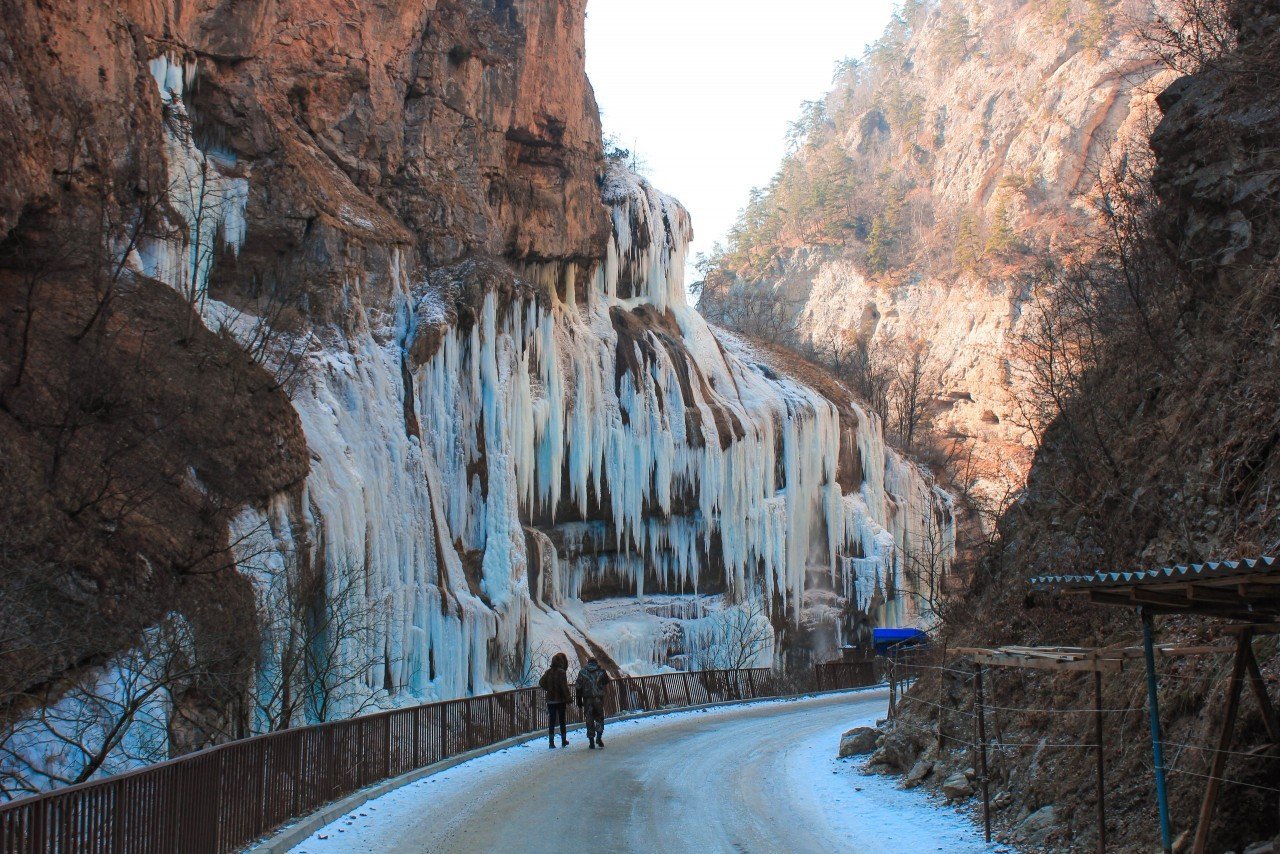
(1199, 572)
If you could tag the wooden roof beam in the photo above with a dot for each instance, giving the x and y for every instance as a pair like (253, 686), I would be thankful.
(1138, 596)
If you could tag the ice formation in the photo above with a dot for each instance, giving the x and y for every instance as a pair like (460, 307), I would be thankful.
(557, 456)
(583, 445)
(510, 462)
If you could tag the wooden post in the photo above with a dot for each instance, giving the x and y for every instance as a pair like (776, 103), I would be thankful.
(942, 706)
(1260, 694)
(893, 685)
(1219, 762)
(1157, 750)
(982, 751)
(1102, 775)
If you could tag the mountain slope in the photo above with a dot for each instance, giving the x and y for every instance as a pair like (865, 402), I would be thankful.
(923, 188)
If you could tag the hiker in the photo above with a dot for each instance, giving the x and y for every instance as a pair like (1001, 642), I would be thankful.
(592, 680)
(556, 683)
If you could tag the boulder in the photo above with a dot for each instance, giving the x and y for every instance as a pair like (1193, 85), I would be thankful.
(897, 752)
(923, 768)
(957, 787)
(858, 741)
(1036, 827)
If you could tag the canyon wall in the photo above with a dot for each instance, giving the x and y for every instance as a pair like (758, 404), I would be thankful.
(927, 189)
(1162, 451)
(418, 401)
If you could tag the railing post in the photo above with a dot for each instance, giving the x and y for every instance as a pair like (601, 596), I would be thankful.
(117, 831)
(215, 832)
(389, 742)
(417, 736)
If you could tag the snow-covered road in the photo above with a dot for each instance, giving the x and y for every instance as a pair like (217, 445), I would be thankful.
(761, 777)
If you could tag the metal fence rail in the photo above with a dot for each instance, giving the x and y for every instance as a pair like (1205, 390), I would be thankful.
(223, 798)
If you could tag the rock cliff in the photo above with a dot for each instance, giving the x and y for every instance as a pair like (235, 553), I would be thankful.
(1180, 384)
(416, 398)
(925, 190)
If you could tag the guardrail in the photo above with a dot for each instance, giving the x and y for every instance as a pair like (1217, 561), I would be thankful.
(223, 798)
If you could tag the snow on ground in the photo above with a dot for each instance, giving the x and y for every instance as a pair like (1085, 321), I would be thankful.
(529, 792)
(870, 810)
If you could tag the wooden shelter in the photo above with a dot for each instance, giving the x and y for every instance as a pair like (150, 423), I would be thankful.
(1070, 658)
(1246, 592)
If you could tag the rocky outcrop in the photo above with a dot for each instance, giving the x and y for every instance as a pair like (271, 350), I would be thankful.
(193, 197)
(448, 125)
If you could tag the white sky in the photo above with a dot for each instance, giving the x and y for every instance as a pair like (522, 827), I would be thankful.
(704, 89)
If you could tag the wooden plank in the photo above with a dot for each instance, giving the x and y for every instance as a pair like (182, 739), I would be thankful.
(1206, 593)
(1105, 665)
(1142, 596)
(1261, 628)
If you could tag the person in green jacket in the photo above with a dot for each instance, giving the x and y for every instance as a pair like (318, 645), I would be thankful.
(592, 680)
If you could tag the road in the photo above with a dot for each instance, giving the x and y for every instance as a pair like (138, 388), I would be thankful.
(757, 778)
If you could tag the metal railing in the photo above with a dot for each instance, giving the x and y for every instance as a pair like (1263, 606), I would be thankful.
(223, 798)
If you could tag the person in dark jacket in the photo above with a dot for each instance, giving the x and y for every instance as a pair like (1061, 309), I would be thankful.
(556, 683)
(592, 680)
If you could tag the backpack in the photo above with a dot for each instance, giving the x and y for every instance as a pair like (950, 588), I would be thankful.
(591, 684)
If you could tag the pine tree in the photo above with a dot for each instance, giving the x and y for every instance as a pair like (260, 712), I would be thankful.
(1001, 239)
(967, 252)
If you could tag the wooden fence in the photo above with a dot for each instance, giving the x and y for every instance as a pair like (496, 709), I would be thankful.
(223, 798)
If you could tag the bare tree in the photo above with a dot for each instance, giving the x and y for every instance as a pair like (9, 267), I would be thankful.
(522, 668)
(852, 360)
(108, 720)
(320, 644)
(735, 637)
(1187, 35)
(754, 310)
(913, 394)
(926, 568)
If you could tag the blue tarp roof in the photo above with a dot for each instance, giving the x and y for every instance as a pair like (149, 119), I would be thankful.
(882, 635)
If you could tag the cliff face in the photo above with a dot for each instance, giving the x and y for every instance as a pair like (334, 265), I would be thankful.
(922, 189)
(454, 126)
(1180, 384)
(416, 366)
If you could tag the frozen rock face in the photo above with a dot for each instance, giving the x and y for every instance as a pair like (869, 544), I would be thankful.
(571, 458)
(484, 423)
(220, 187)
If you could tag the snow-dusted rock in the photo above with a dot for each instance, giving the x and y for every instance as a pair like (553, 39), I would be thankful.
(957, 787)
(922, 769)
(897, 752)
(858, 741)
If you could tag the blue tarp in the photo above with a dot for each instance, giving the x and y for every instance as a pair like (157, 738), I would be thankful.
(890, 639)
